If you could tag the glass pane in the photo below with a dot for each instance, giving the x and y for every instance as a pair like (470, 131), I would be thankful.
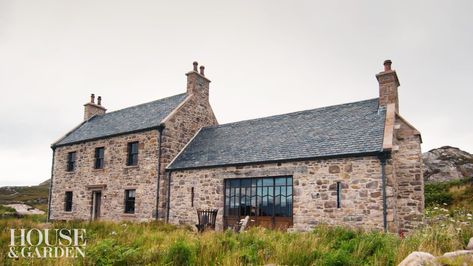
(267, 182)
(280, 181)
(235, 183)
(246, 182)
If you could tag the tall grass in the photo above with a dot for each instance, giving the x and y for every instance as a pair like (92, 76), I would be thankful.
(156, 243)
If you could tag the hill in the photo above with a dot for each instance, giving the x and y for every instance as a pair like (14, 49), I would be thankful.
(36, 196)
(447, 163)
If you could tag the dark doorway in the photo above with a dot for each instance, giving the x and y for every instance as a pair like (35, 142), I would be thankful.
(96, 203)
(267, 201)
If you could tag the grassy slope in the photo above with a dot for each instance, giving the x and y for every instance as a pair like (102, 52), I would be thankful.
(36, 196)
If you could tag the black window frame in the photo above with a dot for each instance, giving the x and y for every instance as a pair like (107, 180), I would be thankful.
(129, 203)
(71, 161)
(99, 158)
(68, 198)
(132, 153)
(263, 193)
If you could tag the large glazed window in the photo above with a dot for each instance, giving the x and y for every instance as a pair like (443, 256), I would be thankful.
(268, 201)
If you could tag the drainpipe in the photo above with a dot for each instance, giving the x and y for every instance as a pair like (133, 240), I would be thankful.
(160, 140)
(169, 197)
(383, 158)
(51, 185)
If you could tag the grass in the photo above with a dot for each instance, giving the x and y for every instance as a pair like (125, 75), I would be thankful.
(449, 214)
(157, 243)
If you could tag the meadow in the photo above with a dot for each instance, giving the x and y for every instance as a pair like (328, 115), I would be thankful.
(449, 227)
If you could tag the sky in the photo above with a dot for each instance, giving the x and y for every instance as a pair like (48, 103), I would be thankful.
(263, 57)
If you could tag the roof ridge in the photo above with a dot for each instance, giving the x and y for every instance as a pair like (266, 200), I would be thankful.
(291, 113)
(129, 107)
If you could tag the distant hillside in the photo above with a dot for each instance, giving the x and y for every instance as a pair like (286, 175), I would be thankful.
(446, 164)
(36, 196)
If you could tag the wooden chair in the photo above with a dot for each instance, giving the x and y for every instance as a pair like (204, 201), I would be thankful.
(207, 219)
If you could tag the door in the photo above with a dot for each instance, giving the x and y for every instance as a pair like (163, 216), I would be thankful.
(267, 201)
(96, 204)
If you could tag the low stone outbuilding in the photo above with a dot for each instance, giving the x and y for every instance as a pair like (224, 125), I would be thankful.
(355, 164)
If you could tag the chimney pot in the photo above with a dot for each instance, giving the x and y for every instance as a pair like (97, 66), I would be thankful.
(92, 98)
(195, 65)
(387, 65)
(202, 68)
(99, 100)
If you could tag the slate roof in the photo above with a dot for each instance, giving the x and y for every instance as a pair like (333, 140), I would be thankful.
(346, 129)
(138, 117)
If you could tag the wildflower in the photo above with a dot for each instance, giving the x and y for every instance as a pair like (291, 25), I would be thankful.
(113, 233)
(436, 208)
(469, 214)
(469, 218)
(445, 204)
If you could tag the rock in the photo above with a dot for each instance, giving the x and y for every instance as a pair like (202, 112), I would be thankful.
(470, 244)
(458, 253)
(24, 209)
(418, 258)
(244, 223)
(447, 163)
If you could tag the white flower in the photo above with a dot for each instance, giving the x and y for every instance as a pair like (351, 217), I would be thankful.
(469, 214)
(445, 204)
(469, 218)
(113, 233)
(436, 208)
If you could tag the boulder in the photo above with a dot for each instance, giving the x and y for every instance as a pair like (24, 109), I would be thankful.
(418, 258)
(458, 253)
(447, 163)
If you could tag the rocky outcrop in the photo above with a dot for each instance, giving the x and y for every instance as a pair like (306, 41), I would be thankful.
(447, 163)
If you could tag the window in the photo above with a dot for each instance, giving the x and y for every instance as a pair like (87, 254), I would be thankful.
(71, 161)
(268, 201)
(339, 191)
(68, 201)
(192, 197)
(132, 153)
(130, 201)
(99, 156)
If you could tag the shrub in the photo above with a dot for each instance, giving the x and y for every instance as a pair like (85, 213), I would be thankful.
(109, 252)
(180, 253)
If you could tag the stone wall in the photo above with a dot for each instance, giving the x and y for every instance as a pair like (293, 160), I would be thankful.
(314, 186)
(408, 171)
(112, 180)
(194, 114)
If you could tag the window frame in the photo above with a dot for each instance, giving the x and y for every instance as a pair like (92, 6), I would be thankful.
(130, 202)
(99, 158)
(68, 201)
(71, 161)
(339, 195)
(132, 156)
(274, 190)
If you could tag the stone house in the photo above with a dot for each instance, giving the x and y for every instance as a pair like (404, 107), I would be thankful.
(355, 164)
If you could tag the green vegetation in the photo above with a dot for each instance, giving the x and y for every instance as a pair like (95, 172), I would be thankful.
(4, 210)
(455, 193)
(156, 243)
(449, 226)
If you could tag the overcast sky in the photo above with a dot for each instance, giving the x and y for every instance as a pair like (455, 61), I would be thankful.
(263, 57)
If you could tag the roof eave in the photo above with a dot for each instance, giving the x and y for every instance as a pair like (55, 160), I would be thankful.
(325, 157)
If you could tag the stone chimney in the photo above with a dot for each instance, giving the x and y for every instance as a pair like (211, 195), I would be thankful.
(197, 83)
(91, 108)
(388, 84)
